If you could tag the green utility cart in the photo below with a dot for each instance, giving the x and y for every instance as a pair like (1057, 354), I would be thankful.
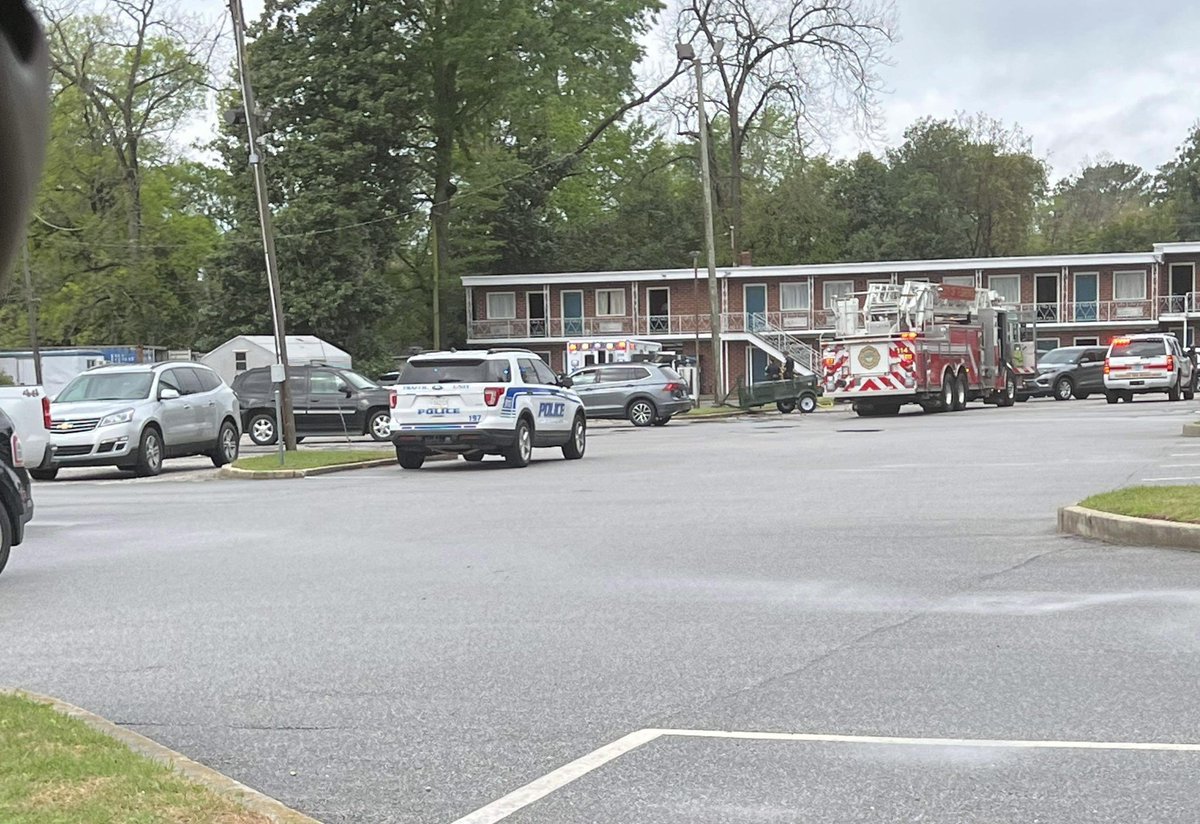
(800, 392)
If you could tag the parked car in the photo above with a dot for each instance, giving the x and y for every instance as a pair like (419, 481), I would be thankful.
(134, 417)
(1148, 363)
(326, 400)
(644, 393)
(1069, 372)
(16, 500)
(28, 407)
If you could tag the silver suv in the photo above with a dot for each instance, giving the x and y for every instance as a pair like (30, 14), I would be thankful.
(135, 416)
(644, 393)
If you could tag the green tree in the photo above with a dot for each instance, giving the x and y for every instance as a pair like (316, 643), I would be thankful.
(1177, 187)
(1105, 207)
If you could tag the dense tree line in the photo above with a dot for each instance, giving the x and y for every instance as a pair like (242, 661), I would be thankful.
(508, 136)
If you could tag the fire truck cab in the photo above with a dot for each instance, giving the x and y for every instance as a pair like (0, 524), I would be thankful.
(937, 345)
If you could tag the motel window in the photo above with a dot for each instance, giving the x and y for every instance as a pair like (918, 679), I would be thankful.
(1129, 286)
(793, 297)
(610, 302)
(502, 305)
(835, 289)
(239, 361)
(959, 280)
(1009, 287)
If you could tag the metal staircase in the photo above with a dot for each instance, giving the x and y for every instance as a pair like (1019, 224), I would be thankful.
(781, 344)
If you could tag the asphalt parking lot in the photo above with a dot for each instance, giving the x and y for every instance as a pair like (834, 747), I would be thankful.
(834, 619)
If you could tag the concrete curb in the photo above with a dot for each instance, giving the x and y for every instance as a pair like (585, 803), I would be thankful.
(230, 473)
(221, 784)
(1191, 430)
(1121, 529)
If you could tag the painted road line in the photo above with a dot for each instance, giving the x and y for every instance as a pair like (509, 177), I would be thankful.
(1177, 478)
(541, 787)
(556, 780)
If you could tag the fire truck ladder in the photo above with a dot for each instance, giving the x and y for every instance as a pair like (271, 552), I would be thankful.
(781, 344)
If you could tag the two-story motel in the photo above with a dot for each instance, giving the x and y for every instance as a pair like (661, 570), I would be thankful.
(766, 311)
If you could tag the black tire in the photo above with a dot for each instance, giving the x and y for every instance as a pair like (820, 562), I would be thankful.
(1008, 395)
(150, 454)
(1111, 397)
(44, 474)
(379, 425)
(1127, 397)
(663, 421)
(573, 449)
(262, 429)
(807, 403)
(520, 453)
(947, 393)
(6, 536)
(1063, 389)
(641, 412)
(472, 457)
(226, 449)
(787, 406)
(1022, 399)
(410, 458)
(1082, 396)
(960, 392)
(1174, 393)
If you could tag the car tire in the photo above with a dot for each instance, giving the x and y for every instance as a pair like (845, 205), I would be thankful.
(1082, 396)
(150, 454)
(1111, 397)
(226, 450)
(786, 407)
(641, 412)
(44, 474)
(410, 458)
(472, 457)
(6, 536)
(1063, 389)
(1127, 397)
(262, 430)
(807, 403)
(520, 453)
(663, 421)
(379, 425)
(960, 392)
(1174, 393)
(574, 448)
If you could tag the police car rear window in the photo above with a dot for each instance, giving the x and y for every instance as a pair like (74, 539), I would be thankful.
(1139, 349)
(455, 370)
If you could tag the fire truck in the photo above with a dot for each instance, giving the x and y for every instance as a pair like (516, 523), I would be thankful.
(937, 345)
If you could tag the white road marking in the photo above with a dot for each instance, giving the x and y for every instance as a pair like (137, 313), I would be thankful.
(1179, 466)
(539, 788)
(1178, 478)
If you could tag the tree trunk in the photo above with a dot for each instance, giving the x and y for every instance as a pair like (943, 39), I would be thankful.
(445, 108)
(134, 184)
(736, 135)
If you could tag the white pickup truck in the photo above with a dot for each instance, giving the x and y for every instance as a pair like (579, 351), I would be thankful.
(29, 409)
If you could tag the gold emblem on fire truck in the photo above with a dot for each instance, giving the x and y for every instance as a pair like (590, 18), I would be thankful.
(868, 356)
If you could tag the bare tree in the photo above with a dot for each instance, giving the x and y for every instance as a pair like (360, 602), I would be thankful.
(816, 61)
(139, 70)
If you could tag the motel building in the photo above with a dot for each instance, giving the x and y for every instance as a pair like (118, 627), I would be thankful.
(774, 311)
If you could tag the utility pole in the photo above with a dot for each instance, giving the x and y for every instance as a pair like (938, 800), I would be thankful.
(685, 51)
(437, 282)
(288, 424)
(31, 305)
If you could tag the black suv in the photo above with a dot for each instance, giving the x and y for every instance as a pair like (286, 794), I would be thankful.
(16, 502)
(326, 400)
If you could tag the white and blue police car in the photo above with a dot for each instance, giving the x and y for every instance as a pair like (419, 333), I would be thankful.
(484, 402)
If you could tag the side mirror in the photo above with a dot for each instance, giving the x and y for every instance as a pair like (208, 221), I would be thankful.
(347, 391)
(168, 394)
(565, 382)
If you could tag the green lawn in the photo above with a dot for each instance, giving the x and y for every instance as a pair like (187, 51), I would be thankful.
(1168, 503)
(311, 458)
(708, 411)
(57, 770)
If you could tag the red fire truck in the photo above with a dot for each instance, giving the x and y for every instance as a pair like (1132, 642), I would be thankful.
(940, 346)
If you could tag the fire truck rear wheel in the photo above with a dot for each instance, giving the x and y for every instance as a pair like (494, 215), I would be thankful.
(947, 391)
(960, 392)
(1009, 396)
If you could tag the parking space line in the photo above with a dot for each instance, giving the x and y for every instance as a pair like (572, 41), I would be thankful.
(539, 788)
(1177, 478)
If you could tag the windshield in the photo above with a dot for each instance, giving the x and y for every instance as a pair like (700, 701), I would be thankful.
(1139, 349)
(110, 386)
(358, 381)
(457, 370)
(1060, 356)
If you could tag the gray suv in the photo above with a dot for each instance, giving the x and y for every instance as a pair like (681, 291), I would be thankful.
(133, 417)
(1070, 372)
(643, 393)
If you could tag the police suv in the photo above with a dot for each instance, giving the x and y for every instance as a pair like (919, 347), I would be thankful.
(484, 402)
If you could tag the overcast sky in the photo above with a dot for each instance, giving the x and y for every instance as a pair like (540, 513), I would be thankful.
(1084, 78)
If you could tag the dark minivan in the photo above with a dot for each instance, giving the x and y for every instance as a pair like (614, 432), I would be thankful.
(326, 400)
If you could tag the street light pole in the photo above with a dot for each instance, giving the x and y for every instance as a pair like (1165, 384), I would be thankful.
(264, 219)
(696, 315)
(685, 51)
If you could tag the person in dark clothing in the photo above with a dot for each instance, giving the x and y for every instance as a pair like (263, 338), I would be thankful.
(772, 371)
(789, 369)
